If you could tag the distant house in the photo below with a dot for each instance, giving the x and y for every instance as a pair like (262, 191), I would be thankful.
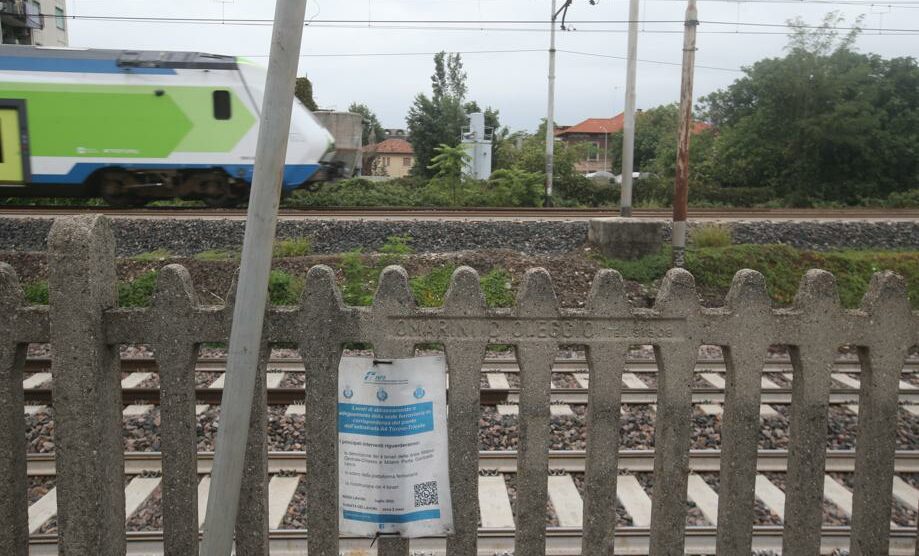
(596, 133)
(392, 157)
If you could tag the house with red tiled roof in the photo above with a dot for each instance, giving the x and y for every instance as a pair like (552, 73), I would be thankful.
(393, 157)
(596, 133)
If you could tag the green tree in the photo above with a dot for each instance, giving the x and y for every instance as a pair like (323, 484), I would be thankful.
(823, 123)
(303, 90)
(449, 161)
(439, 119)
(373, 130)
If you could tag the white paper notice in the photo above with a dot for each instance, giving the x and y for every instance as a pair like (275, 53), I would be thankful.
(392, 447)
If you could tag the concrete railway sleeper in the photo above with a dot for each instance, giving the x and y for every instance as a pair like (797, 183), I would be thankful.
(498, 503)
(85, 328)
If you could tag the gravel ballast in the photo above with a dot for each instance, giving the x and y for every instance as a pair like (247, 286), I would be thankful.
(188, 236)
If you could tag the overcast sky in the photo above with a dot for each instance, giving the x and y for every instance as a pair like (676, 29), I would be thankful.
(513, 82)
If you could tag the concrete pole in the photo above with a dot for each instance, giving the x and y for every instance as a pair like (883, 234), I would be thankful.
(628, 139)
(252, 292)
(681, 187)
(550, 113)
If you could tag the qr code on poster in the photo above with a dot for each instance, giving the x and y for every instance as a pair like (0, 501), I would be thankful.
(426, 494)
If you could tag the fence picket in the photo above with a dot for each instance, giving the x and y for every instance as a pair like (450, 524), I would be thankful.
(86, 329)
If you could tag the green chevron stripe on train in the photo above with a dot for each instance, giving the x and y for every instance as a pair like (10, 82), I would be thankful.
(133, 126)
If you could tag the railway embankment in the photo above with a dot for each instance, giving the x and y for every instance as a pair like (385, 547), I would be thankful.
(188, 236)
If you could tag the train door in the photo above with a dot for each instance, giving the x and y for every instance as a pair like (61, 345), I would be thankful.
(14, 161)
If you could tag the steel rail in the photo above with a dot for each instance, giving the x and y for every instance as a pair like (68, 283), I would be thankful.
(853, 213)
(505, 461)
(560, 541)
(488, 396)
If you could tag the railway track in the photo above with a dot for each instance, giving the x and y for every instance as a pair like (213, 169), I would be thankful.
(497, 389)
(496, 494)
(560, 541)
(467, 213)
(505, 461)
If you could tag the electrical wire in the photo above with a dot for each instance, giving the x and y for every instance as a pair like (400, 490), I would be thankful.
(485, 25)
(473, 52)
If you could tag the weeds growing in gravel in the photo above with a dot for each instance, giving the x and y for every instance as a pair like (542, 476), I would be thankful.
(711, 236)
(36, 293)
(217, 255)
(294, 247)
(782, 266)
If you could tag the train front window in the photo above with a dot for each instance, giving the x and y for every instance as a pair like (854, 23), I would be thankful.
(221, 105)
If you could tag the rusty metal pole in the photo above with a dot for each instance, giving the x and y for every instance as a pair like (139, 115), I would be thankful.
(550, 112)
(681, 187)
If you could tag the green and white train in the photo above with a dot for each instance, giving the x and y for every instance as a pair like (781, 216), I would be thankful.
(133, 126)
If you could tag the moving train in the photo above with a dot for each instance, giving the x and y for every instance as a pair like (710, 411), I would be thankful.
(134, 126)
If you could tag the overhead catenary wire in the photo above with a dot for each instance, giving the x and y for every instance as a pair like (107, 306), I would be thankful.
(437, 24)
(474, 52)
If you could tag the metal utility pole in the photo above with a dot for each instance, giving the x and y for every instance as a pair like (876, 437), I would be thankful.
(628, 140)
(681, 187)
(252, 292)
(550, 115)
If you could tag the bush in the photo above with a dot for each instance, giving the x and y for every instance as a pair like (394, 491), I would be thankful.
(711, 236)
(904, 199)
(295, 247)
(516, 188)
(360, 280)
(731, 196)
(137, 292)
(284, 289)
(584, 191)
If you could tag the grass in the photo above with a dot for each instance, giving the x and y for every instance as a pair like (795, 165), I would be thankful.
(153, 256)
(711, 236)
(294, 247)
(782, 266)
(217, 255)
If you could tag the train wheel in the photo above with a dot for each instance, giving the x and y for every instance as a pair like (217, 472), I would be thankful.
(219, 193)
(115, 189)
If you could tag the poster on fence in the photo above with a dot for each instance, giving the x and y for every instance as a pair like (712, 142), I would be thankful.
(393, 475)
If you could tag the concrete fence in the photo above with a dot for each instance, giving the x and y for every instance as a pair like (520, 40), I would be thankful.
(86, 329)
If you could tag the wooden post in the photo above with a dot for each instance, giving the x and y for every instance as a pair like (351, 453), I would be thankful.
(681, 187)
(252, 293)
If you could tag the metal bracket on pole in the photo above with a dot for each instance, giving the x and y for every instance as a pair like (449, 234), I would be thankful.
(252, 292)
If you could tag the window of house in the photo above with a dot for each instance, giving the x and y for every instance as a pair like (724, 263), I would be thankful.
(59, 18)
(593, 153)
(407, 161)
(221, 105)
(34, 15)
(386, 160)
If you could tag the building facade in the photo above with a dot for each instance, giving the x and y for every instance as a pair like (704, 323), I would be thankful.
(34, 22)
(595, 133)
(392, 158)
